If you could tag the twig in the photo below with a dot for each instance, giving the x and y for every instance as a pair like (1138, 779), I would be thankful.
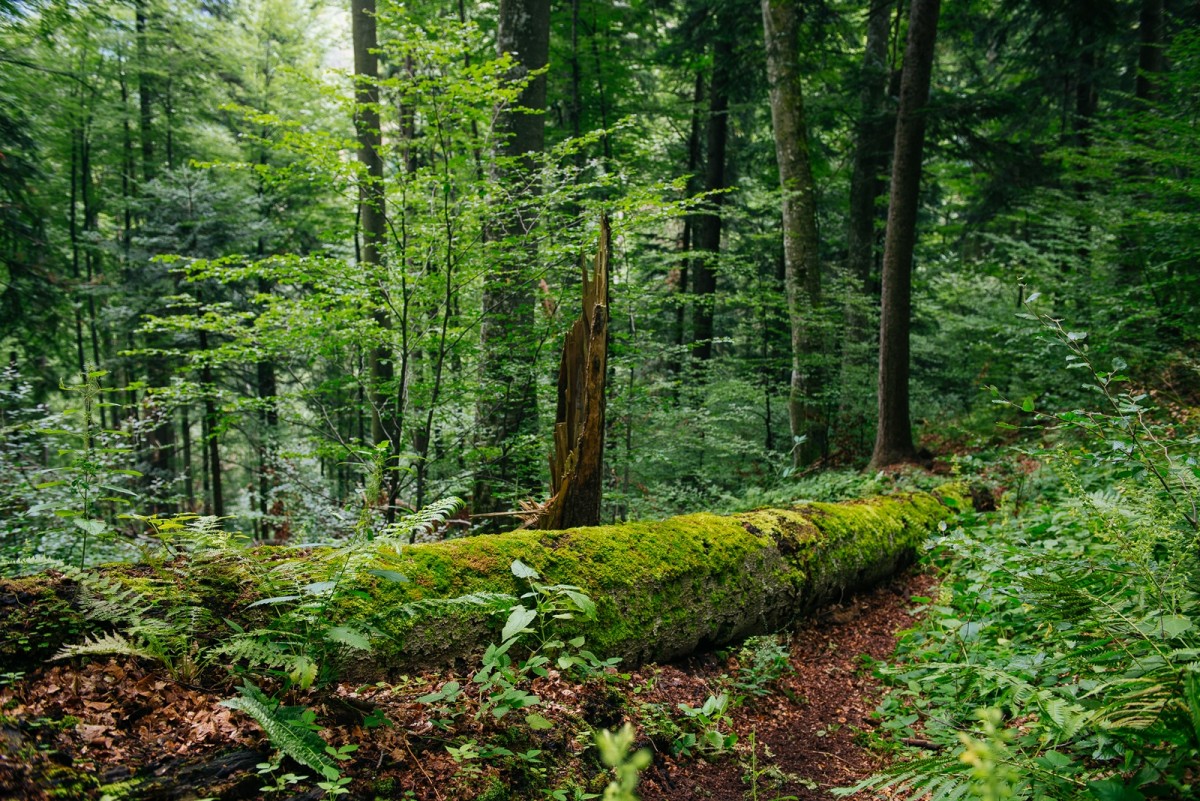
(421, 768)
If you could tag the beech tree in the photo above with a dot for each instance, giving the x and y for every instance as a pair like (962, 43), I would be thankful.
(801, 246)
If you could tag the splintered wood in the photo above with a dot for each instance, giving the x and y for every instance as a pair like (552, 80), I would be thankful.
(575, 464)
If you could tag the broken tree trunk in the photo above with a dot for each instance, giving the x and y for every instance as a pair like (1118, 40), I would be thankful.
(578, 457)
(662, 589)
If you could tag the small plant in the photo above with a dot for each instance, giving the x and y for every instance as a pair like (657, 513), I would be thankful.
(695, 729)
(767, 775)
(90, 477)
(279, 782)
(502, 681)
(706, 722)
(615, 753)
(762, 661)
(292, 730)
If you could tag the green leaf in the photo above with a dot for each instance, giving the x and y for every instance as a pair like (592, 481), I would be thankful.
(583, 602)
(538, 723)
(302, 745)
(1113, 790)
(388, 575)
(93, 527)
(349, 637)
(524, 571)
(518, 619)
(1174, 625)
(1027, 405)
(278, 599)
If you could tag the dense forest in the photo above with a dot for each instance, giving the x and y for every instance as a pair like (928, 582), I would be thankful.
(314, 312)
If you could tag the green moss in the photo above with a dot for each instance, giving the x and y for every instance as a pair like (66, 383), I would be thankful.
(661, 588)
(35, 620)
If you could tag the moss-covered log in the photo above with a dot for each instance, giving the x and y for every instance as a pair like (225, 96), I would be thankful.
(662, 589)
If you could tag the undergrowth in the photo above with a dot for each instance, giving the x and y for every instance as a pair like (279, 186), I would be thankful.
(1061, 656)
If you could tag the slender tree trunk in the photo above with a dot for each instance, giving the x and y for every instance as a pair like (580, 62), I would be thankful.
(385, 412)
(508, 406)
(73, 227)
(870, 150)
(602, 94)
(893, 437)
(686, 241)
(269, 420)
(801, 245)
(145, 99)
(707, 231)
(189, 474)
(212, 446)
(1152, 61)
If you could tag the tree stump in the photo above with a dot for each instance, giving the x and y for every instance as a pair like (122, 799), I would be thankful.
(575, 465)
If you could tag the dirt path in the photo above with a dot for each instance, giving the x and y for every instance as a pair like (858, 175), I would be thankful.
(83, 731)
(811, 730)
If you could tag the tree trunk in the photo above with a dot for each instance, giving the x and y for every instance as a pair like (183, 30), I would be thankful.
(373, 219)
(662, 589)
(870, 150)
(707, 229)
(145, 99)
(576, 465)
(212, 448)
(893, 435)
(1151, 59)
(508, 405)
(801, 246)
(687, 236)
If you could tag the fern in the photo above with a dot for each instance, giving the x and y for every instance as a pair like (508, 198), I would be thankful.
(295, 739)
(422, 522)
(105, 644)
(489, 601)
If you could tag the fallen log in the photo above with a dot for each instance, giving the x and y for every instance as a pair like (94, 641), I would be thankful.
(662, 589)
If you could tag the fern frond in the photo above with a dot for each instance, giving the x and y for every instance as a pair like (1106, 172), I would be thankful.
(492, 601)
(105, 644)
(299, 743)
(938, 778)
(28, 565)
(419, 523)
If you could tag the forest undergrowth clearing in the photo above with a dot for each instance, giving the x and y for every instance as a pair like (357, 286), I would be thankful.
(87, 732)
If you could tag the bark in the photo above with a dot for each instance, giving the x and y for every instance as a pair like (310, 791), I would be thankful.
(577, 462)
(871, 137)
(508, 408)
(662, 589)
(893, 437)
(1151, 59)
(801, 245)
(212, 449)
(145, 99)
(707, 229)
(679, 332)
(373, 217)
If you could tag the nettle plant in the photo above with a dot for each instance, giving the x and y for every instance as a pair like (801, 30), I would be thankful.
(1060, 658)
(501, 681)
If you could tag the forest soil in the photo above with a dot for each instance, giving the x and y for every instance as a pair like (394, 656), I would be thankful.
(84, 730)
(815, 729)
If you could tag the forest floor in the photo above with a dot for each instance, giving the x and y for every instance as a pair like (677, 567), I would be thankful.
(120, 728)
